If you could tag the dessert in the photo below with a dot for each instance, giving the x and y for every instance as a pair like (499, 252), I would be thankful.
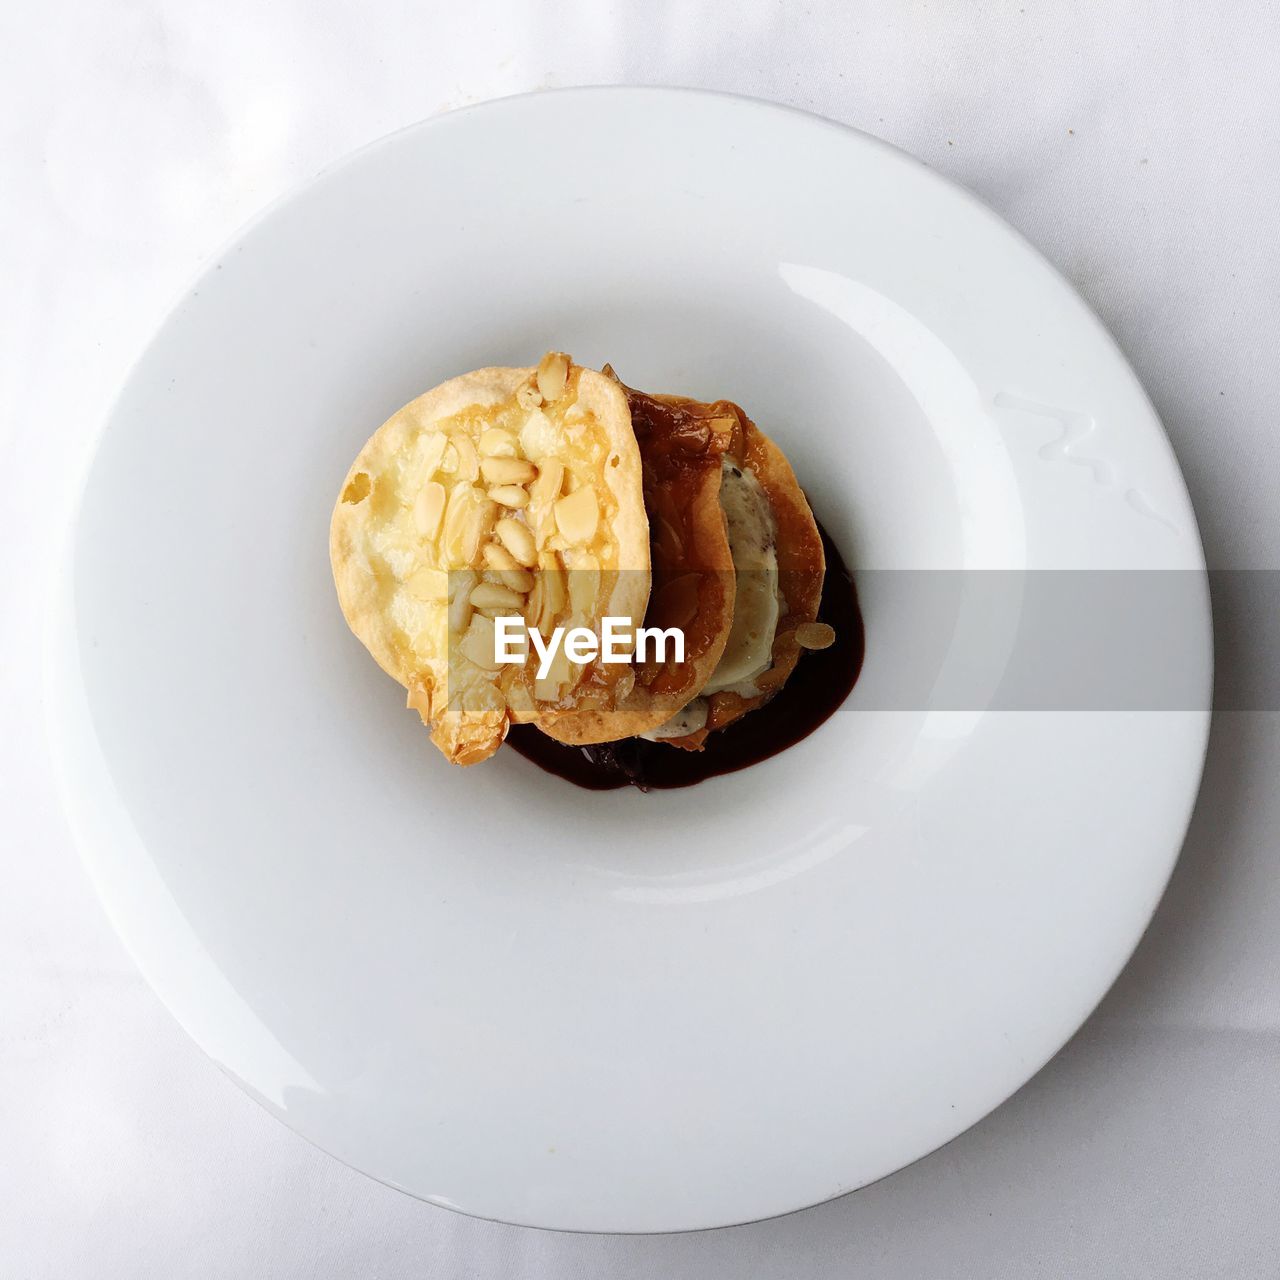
(553, 499)
(737, 560)
(504, 490)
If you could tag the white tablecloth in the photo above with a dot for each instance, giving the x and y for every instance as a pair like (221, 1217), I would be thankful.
(1137, 144)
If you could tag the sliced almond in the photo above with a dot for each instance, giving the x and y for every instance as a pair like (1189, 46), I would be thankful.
(468, 458)
(507, 470)
(459, 612)
(546, 617)
(528, 396)
(553, 375)
(578, 515)
(533, 606)
(497, 443)
(543, 524)
(479, 526)
(546, 488)
(537, 436)
(492, 595)
(457, 519)
(551, 576)
(543, 493)
(432, 452)
(461, 581)
(815, 635)
(477, 645)
(520, 580)
(428, 507)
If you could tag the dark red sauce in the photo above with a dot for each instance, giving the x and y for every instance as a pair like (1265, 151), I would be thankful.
(819, 684)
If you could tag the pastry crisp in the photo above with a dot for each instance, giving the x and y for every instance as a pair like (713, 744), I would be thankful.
(503, 492)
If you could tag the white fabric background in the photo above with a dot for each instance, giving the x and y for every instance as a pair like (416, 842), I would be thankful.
(1135, 143)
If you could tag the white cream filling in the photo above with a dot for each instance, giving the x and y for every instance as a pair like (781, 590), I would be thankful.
(689, 719)
(753, 544)
(748, 653)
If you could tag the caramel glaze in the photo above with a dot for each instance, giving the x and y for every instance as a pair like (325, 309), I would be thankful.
(820, 683)
(681, 447)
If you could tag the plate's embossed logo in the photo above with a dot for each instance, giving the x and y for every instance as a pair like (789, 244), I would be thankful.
(1070, 446)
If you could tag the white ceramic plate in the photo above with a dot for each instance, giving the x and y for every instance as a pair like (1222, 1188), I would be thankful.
(616, 1011)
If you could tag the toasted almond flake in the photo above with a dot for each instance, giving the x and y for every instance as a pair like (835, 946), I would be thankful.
(457, 519)
(507, 470)
(497, 443)
(552, 589)
(428, 507)
(533, 605)
(468, 458)
(520, 580)
(537, 436)
(492, 595)
(461, 581)
(459, 612)
(479, 526)
(546, 488)
(578, 515)
(432, 452)
(528, 396)
(815, 635)
(477, 645)
(553, 375)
